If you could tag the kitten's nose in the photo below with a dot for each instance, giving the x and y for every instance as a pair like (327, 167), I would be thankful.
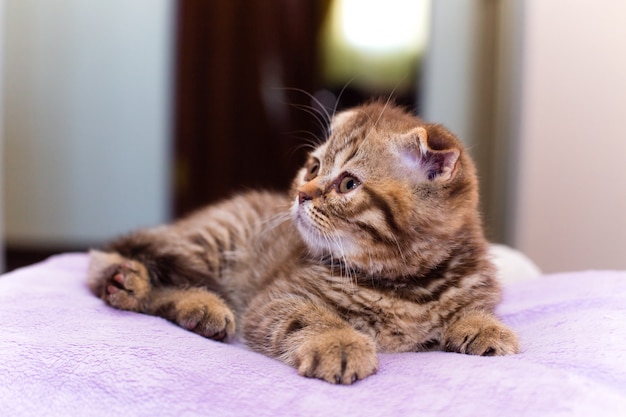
(305, 194)
(302, 197)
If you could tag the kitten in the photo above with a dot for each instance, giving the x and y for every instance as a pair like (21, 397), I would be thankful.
(377, 247)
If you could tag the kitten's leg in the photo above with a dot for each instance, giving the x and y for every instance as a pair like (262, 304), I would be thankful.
(194, 309)
(480, 333)
(311, 338)
(125, 284)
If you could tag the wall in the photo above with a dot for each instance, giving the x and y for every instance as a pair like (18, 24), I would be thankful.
(553, 180)
(87, 118)
(448, 87)
(571, 181)
(460, 85)
(2, 260)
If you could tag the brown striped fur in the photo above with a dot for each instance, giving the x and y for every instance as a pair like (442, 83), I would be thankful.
(378, 246)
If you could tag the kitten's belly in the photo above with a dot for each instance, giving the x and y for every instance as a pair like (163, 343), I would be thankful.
(396, 325)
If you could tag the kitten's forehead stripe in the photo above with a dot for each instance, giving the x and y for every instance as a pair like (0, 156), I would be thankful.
(352, 154)
(333, 151)
(350, 144)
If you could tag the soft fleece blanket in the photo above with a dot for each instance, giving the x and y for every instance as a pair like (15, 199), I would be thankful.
(63, 352)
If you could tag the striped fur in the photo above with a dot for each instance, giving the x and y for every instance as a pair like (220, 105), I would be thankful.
(378, 246)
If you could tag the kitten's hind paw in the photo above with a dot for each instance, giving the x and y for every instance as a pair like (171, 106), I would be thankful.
(120, 282)
(128, 287)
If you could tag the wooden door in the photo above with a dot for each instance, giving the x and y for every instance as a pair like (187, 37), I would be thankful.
(237, 117)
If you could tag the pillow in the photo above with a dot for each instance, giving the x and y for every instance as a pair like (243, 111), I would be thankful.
(64, 352)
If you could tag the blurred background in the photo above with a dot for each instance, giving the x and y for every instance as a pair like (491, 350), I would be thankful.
(118, 114)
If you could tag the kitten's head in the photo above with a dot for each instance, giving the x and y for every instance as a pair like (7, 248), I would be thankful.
(386, 194)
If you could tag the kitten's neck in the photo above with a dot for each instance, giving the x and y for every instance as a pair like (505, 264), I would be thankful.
(466, 259)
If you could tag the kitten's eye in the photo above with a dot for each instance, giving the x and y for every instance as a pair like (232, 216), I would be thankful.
(348, 183)
(312, 169)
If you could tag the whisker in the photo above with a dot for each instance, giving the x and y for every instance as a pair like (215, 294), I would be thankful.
(319, 117)
(348, 278)
(314, 99)
(312, 137)
(332, 259)
(371, 262)
(388, 101)
(275, 221)
(306, 146)
(343, 89)
(385, 106)
(319, 112)
(395, 239)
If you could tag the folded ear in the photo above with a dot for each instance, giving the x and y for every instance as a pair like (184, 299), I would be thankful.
(434, 157)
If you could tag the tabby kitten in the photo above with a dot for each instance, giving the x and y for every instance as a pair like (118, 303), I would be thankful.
(378, 246)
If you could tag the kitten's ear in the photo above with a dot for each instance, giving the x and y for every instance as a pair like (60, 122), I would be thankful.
(431, 152)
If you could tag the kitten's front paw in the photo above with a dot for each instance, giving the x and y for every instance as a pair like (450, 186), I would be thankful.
(204, 313)
(127, 287)
(340, 356)
(480, 333)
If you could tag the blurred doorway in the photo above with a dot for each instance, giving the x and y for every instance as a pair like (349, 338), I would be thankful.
(252, 74)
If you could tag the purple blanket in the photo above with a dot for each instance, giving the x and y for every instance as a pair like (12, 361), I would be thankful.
(63, 352)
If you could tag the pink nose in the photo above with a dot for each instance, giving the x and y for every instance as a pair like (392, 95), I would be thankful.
(304, 195)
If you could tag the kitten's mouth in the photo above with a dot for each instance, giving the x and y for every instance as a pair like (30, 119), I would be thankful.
(309, 229)
(317, 231)
(303, 219)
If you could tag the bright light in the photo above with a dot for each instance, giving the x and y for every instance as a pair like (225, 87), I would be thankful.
(376, 44)
(384, 25)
